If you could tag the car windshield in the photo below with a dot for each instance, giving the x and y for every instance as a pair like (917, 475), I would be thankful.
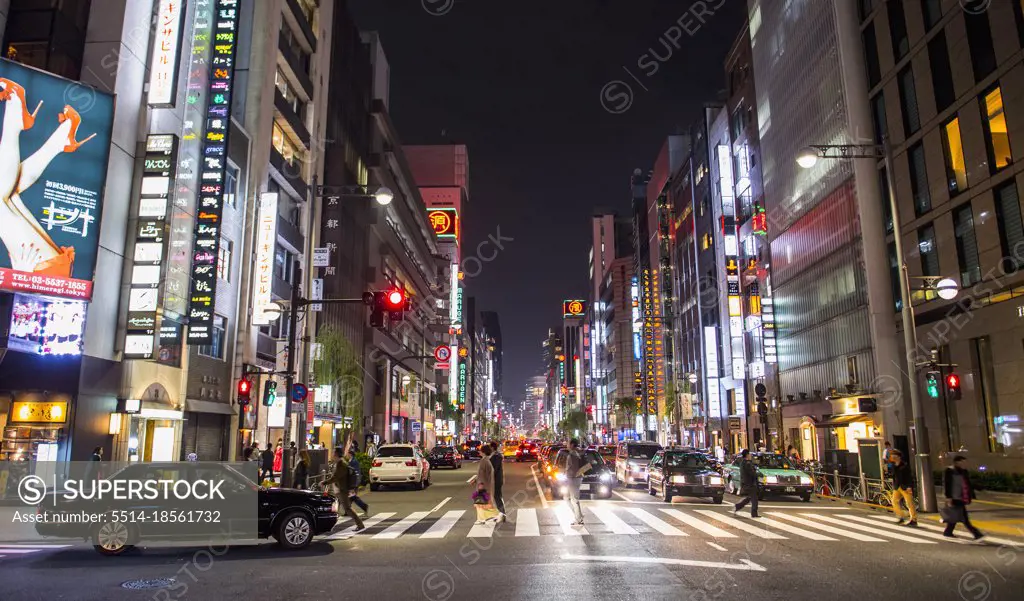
(591, 457)
(685, 460)
(642, 451)
(395, 452)
(774, 461)
(440, 450)
(606, 450)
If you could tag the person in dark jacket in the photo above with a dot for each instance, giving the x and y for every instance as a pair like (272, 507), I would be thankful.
(499, 479)
(342, 480)
(357, 475)
(748, 484)
(301, 478)
(267, 464)
(959, 493)
(902, 488)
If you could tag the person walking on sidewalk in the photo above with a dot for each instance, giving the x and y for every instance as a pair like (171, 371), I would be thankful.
(357, 475)
(267, 464)
(959, 493)
(342, 480)
(902, 488)
(499, 479)
(748, 484)
(575, 467)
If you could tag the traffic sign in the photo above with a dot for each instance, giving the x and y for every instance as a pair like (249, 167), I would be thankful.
(760, 389)
(734, 423)
(443, 353)
(321, 257)
(416, 427)
(299, 392)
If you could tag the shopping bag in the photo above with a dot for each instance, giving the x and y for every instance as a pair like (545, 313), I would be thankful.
(952, 515)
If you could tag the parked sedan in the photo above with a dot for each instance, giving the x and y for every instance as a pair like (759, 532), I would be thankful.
(776, 474)
(399, 464)
(292, 517)
(597, 482)
(683, 473)
(526, 452)
(445, 456)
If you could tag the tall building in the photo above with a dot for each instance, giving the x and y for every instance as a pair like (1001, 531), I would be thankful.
(492, 325)
(533, 406)
(829, 281)
(943, 85)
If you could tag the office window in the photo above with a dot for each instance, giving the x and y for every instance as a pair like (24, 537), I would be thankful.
(997, 137)
(919, 180)
(966, 245)
(953, 151)
(932, 10)
(894, 277)
(864, 8)
(908, 102)
(883, 185)
(878, 116)
(898, 29)
(1018, 16)
(871, 56)
(979, 41)
(215, 350)
(929, 254)
(942, 75)
(1011, 232)
(224, 260)
(231, 175)
(283, 261)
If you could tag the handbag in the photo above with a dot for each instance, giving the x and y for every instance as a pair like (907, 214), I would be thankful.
(952, 515)
(480, 497)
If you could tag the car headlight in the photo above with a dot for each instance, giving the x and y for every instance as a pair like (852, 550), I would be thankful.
(633, 466)
(606, 477)
(805, 479)
(714, 480)
(560, 476)
(679, 479)
(771, 480)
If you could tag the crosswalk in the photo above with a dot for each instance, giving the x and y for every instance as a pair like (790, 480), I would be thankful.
(13, 551)
(609, 519)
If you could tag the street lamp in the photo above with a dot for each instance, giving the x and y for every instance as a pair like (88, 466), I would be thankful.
(383, 195)
(807, 158)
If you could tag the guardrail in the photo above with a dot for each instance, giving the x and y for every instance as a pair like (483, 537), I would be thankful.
(856, 488)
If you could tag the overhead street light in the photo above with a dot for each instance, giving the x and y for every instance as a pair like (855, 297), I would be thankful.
(947, 288)
(384, 196)
(807, 158)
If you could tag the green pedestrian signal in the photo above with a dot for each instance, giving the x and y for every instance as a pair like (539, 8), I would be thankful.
(270, 394)
(933, 385)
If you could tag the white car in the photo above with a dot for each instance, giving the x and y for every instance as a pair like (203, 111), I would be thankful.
(399, 464)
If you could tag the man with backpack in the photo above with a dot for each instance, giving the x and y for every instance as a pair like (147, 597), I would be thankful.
(343, 481)
(356, 473)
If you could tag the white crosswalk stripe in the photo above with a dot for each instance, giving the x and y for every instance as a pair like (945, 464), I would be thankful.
(937, 528)
(618, 519)
(526, 522)
(444, 524)
(18, 550)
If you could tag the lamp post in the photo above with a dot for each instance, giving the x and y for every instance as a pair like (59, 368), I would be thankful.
(807, 159)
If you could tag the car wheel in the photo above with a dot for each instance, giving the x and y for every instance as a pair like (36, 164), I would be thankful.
(374, 486)
(717, 500)
(666, 493)
(294, 531)
(112, 538)
(650, 488)
(806, 498)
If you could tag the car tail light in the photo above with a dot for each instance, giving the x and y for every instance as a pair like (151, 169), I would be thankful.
(377, 464)
(411, 463)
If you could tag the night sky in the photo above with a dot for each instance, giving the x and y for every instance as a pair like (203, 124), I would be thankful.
(520, 83)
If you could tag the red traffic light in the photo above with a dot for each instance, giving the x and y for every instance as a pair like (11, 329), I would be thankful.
(394, 300)
(244, 387)
(953, 381)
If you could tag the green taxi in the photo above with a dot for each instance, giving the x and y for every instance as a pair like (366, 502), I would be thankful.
(776, 475)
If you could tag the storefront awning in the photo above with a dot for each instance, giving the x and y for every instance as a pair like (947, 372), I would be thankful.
(841, 421)
(197, 406)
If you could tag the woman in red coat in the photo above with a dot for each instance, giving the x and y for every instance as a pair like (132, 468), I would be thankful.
(278, 456)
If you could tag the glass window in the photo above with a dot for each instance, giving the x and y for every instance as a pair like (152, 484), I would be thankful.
(942, 75)
(395, 452)
(979, 41)
(966, 245)
(997, 136)
(894, 277)
(686, 460)
(919, 180)
(908, 102)
(1018, 16)
(871, 56)
(929, 254)
(215, 350)
(932, 10)
(1011, 232)
(878, 116)
(778, 462)
(953, 152)
(231, 175)
(283, 263)
(883, 185)
(224, 259)
(898, 29)
(284, 145)
(864, 8)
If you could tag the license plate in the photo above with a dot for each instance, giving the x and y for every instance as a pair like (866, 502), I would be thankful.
(790, 489)
(584, 487)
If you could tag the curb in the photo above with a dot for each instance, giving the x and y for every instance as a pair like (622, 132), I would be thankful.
(994, 527)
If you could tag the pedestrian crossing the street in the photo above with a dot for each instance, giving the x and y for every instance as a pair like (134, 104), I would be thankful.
(14, 551)
(713, 525)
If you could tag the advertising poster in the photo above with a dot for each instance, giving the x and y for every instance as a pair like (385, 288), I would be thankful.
(54, 144)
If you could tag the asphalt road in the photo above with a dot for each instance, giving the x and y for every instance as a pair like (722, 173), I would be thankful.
(424, 545)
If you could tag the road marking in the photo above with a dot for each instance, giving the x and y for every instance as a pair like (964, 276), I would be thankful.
(565, 518)
(990, 539)
(369, 522)
(471, 478)
(526, 522)
(611, 520)
(827, 528)
(444, 524)
(17, 551)
(395, 530)
(484, 530)
(655, 522)
(745, 564)
(793, 529)
(21, 546)
(869, 529)
(698, 524)
(716, 546)
(440, 505)
(902, 529)
(741, 525)
(627, 499)
(540, 491)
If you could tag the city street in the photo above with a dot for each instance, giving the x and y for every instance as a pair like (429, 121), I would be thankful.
(424, 544)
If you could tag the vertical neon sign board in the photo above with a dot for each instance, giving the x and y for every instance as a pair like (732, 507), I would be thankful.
(163, 66)
(211, 173)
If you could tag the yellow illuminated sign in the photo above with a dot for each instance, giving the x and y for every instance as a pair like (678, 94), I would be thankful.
(55, 412)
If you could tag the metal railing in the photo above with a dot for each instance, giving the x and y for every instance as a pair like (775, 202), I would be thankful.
(855, 488)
